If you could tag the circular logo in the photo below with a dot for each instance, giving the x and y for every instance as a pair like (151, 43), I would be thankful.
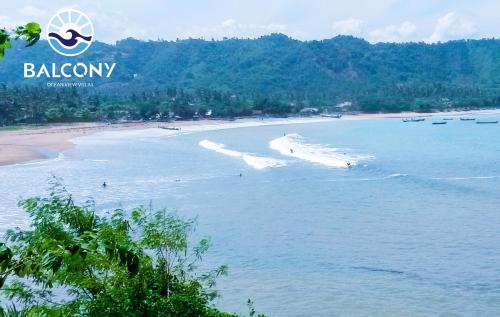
(70, 32)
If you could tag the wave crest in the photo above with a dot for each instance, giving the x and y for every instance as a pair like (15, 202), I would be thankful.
(257, 162)
(294, 145)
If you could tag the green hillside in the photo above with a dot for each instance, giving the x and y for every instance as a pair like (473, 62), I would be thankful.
(276, 71)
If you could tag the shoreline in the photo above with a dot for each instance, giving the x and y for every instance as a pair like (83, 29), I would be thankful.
(33, 143)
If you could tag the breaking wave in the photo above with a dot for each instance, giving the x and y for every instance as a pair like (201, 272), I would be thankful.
(294, 145)
(257, 162)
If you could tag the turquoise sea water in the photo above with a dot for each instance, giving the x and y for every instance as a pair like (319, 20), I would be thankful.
(411, 229)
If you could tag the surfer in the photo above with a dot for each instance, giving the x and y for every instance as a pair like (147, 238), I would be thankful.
(291, 151)
(348, 164)
(104, 185)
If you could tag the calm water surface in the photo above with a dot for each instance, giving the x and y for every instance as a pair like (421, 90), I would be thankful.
(413, 229)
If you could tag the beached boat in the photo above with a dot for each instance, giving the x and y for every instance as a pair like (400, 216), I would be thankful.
(440, 122)
(336, 116)
(170, 128)
(487, 122)
(413, 119)
(467, 119)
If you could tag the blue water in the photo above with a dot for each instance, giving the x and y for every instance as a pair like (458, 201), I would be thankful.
(413, 231)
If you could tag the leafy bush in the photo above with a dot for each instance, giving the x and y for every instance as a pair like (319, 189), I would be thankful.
(29, 32)
(142, 265)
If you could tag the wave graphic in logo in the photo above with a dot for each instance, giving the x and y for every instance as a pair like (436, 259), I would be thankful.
(73, 40)
(70, 32)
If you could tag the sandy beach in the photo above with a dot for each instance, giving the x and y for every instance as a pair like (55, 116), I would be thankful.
(39, 142)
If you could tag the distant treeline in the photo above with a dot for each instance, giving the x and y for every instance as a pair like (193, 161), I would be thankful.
(29, 104)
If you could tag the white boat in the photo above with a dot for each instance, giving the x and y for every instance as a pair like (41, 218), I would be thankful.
(336, 116)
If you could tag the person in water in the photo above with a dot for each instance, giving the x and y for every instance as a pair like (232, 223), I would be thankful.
(291, 151)
(241, 175)
(348, 164)
(104, 185)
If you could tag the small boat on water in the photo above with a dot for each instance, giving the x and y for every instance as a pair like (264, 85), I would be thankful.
(467, 119)
(440, 122)
(487, 122)
(413, 119)
(447, 119)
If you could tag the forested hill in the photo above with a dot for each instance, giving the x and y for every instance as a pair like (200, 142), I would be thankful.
(277, 63)
(385, 76)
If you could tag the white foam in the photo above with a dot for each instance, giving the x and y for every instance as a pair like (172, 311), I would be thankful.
(252, 123)
(294, 145)
(260, 162)
(112, 136)
(464, 178)
(397, 175)
(219, 148)
(257, 162)
(59, 157)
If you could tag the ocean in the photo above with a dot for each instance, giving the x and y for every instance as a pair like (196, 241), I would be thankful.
(334, 218)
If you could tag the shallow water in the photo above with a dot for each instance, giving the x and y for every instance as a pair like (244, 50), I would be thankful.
(411, 229)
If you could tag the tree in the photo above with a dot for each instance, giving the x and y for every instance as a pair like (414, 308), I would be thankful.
(137, 265)
(30, 33)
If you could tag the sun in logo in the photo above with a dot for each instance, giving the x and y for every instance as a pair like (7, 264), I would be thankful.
(70, 32)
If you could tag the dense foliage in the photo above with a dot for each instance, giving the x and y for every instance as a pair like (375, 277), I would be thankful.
(39, 105)
(273, 73)
(72, 262)
(29, 32)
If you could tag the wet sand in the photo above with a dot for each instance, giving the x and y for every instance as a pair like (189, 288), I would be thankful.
(34, 142)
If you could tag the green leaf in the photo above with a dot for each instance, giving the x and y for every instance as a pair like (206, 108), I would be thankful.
(30, 32)
(33, 41)
(33, 28)
(132, 263)
(5, 256)
(137, 214)
(4, 37)
(4, 42)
